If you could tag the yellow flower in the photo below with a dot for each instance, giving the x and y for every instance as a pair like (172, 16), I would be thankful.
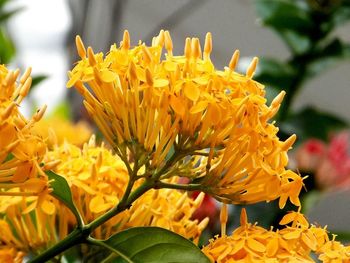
(10, 255)
(58, 129)
(165, 110)
(98, 180)
(295, 243)
(21, 151)
(334, 252)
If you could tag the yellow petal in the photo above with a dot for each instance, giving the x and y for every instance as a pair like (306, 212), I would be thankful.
(272, 247)
(288, 218)
(255, 245)
(294, 234)
(48, 207)
(177, 106)
(98, 205)
(192, 92)
(108, 76)
(199, 107)
(159, 83)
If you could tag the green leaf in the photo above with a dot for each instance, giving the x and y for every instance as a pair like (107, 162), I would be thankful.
(328, 55)
(341, 16)
(153, 245)
(7, 48)
(6, 15)
(62, 110)
(285, 15)
(311, 123)
(310, 200)
(298, 44)
(36, 80)
(275, 73)
(61, 191)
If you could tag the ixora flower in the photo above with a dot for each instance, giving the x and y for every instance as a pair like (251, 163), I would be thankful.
(181, 116)
(294, 243)
(59, 130)
(21, 152)
(98, 180)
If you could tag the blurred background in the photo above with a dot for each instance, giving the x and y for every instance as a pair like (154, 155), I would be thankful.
(303, 46)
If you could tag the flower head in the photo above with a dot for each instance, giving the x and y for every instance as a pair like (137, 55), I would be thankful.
(169, 110)
(295, 243)
(98, 180)
(58, 129)
(21, 152)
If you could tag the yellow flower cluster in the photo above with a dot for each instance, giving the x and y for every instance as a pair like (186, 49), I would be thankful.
(294, 243)
(98, 180)
(58, 130)
(10, 255)
(21, 151)
(166, 110)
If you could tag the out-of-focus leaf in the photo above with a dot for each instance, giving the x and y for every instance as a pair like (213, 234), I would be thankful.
(62, 192)
(342, 236)
(274, 73)
(153, 245)
(6, 15)
(297, 43)
(284, 15)
(62, 110)
(36, 80)
(329, 56)
(341, 16)
(310, 200)
(7, 48)
(311, 123)
(3, 2)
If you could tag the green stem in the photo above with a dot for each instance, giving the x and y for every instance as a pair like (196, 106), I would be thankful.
(82, 233)
(187, 187)
(120, 207)
(77, 236)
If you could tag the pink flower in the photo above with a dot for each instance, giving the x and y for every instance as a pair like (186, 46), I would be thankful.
(310, 154)
(330, 163)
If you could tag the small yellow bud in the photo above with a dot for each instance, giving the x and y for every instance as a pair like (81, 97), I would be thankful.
(196, 48)
(208, 45)
(278, 99)
(234, 60)
(126, 40)
(252, 67)
(26, 86)
(7, 112)
(80, 47)
(91, 56)
(188, 49)
(168, 42)
(25, 75)
(288, 143)
(39, 114)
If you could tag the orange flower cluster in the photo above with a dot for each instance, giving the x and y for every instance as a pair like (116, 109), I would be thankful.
(294, 243)
(98, 180)
(166, 110)
(21, 152)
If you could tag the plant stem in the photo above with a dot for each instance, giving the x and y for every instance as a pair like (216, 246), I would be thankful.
(120, 207)
(80, 235)
(187, 187)
(74, 238)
